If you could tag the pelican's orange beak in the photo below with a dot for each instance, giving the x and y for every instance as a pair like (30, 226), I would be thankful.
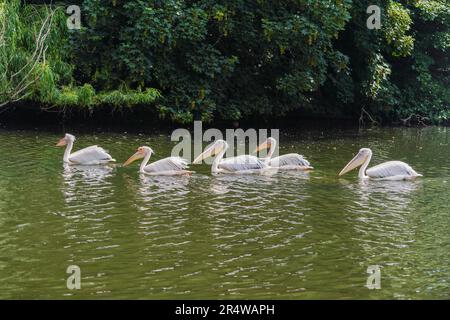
(62, 142)
(357, 161)
(138, 155)
(265, 145)
(211, 151)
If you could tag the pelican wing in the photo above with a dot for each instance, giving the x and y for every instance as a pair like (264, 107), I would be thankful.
(241, 163)
(291, 159)
(391, 169)
(90, 155)
(167, 164)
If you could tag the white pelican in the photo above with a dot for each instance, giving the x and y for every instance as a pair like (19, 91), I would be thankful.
(392, 170)
(240, 164)
(170, 166)
(290, 161)
(92, 155)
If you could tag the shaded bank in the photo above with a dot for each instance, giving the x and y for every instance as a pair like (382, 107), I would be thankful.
(145, 119)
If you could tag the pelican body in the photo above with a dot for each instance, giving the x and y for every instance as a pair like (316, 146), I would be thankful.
(245, 164)
(170, 166)
(290, 161)
(391, 170)
(92, 155)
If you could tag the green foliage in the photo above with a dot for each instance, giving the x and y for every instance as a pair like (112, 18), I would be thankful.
(213, 58)
(23, 45)
(44, 73)
(85, 96)
(210, 59)
(78, 96)
(398, 24)
(118, 98)
(401, 70)
(425, 81)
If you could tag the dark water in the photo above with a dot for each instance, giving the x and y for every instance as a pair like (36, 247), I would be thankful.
(290, 235)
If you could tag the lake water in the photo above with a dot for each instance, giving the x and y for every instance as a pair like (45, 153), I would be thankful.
(286, 236)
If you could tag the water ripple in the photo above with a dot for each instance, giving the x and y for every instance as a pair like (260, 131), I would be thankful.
(290, 235)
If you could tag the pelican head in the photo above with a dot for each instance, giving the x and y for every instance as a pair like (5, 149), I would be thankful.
(140, 153)
(266, 144)
(211, 151)
(363, 155)
(64, 141)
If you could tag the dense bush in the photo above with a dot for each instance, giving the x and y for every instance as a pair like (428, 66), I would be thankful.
(425, 92)
(245, 58)
(227, 58)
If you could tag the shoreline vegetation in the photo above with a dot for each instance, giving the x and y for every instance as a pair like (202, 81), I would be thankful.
(174, 62)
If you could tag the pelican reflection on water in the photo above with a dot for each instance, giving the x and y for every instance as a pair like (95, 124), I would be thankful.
(164, 184)
(84, 187)
(398, 192)
(87, 172)
(221, 184)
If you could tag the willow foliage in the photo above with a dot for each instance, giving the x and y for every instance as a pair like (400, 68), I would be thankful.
(36, 62)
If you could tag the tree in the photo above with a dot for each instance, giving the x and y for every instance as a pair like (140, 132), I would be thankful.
(225, 58)
(21, 54)
(234, 59)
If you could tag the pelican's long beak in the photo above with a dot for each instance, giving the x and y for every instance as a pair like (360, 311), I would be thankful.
(209, 152)
(61, 143)
(262, 146)
(138, 155)
(354, 163)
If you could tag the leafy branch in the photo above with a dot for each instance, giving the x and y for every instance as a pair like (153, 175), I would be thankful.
(17, 77)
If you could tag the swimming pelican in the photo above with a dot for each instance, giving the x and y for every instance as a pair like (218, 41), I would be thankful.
(92, 155)
(291, 161)
(170, 166)
(241, 164)
(392, 170)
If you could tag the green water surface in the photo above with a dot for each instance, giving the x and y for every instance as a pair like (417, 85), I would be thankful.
(287, 236)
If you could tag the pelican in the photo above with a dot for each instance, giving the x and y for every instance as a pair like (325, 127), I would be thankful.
(170, 166)
(92, 155)
(291, 161)
(392, 170)
(241, 164)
